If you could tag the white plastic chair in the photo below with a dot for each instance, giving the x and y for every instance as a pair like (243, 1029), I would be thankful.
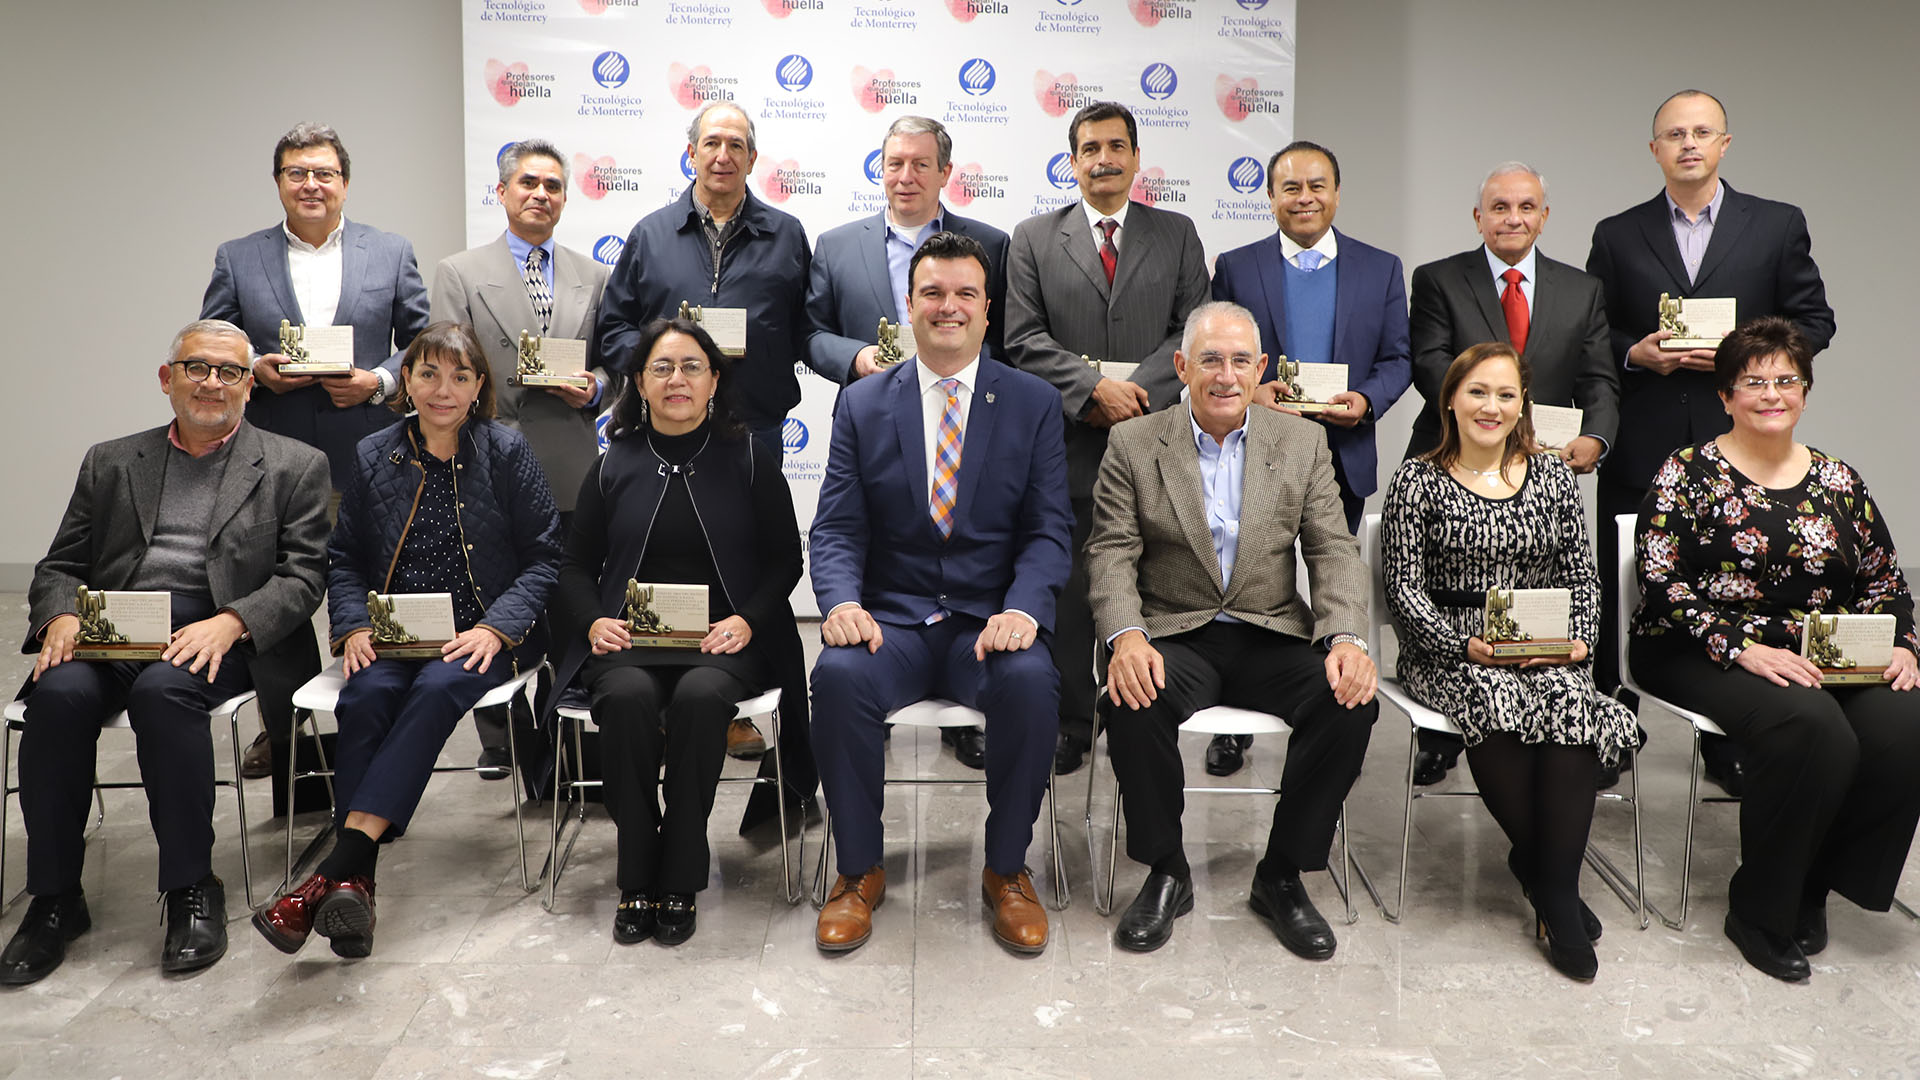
(569, 795)
(321, 694)
(16, 720)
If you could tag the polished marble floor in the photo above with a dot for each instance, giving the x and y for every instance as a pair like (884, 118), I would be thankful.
(472, 977)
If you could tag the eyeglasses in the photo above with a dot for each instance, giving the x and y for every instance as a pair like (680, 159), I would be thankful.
(294, 174)
(1242, 362)
(663, 369)
(1754, 384)
(198, 370)
(1676, 136)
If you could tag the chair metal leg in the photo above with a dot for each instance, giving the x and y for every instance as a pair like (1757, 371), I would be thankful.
(792, 865)
(1062, 892)
(819, 896)
(1679, 922)
(514, 785)
(1633, 895)
(1406, 834)
(1343, 881)
(6, 769)
(240, 797)
(568, 801)
(325, 772)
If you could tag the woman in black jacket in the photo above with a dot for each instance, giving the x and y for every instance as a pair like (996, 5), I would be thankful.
(447, 501)
(682, 496)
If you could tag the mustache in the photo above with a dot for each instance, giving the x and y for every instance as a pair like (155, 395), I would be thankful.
(1100, 172)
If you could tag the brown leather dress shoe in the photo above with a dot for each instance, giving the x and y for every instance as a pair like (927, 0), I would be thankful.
(744, 741)
(1018, 919)
(257, 762)
(288, 923)
(847, 921)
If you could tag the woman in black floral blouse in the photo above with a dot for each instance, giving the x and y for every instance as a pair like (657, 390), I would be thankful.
(1738, 539)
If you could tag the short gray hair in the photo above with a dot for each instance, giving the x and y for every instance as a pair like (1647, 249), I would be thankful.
(921, 125)
(1507, 168)
(1208, 310)
(699, 118)
(511, 157)
(211, 328)
(306, 135)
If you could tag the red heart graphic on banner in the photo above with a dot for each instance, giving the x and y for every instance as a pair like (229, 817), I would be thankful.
(957, 192)
(594, 7)
(1142, 191)
(1234, 96)
(589, 172)
(1053, 91)
(961, 11)
(1143, 12)
(500, 78)
(865, 92)
(680, 84)
(772, 183)
(777, 8)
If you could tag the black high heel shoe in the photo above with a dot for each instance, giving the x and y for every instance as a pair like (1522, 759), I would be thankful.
(1589, 922)
(1575, 961)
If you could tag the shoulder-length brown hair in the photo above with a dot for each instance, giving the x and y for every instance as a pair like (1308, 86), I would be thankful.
(1520, 441)
(451, 342)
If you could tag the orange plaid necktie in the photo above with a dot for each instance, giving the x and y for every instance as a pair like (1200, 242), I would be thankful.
(946, 467)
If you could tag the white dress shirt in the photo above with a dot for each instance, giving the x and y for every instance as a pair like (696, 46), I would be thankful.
(315, 273)
(1327, 246)
(933, 405)
(1497, 266)
(1095, 217)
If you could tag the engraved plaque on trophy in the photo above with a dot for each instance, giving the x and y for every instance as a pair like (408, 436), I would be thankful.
(1520, 623)
(1555, 426)
(1305, 388)
(549, 361)
(1111, 369)
(1850, 650)
(726, 325)
(410, 626)
(896, 343)
(666, 616)
(1698, 323)
(118, 625)
(316, 350)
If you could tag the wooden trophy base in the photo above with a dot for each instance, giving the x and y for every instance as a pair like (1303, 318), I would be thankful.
(1852, 676)
(1526, 650)
(126, 651)
(412, 650)
(578, 382)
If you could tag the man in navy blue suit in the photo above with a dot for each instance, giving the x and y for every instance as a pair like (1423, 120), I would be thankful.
(939, 550)
(1319, 296)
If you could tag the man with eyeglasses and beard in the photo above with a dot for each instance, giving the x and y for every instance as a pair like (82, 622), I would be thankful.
(232, 522)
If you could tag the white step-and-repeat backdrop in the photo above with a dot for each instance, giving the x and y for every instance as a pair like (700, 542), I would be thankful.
(614, 83)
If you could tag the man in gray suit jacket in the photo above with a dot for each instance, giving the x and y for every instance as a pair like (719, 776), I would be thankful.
(317, 268)
(1196, 516)
(490, 289)
(1112, 280)
(859, 269)
(232, 522)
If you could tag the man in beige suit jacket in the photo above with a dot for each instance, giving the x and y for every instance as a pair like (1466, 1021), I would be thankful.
(1197, 511)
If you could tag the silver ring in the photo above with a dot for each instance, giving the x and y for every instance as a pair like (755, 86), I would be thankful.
(1016, 635)
(726, 633)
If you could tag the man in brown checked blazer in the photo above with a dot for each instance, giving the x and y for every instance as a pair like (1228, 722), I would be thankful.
(1197, 510)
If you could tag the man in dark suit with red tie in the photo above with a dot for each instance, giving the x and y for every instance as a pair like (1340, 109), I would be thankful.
(1697, 238)
(939, 550)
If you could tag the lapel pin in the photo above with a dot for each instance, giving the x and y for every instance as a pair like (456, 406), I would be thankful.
(989, 397)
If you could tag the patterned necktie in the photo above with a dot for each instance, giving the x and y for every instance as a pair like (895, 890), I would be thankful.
(1310, 261)
(1515, 306)
(537, 289)
(946, 465)
(1109, 255)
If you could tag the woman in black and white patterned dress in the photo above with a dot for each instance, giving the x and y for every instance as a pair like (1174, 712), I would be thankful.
(1486, 508)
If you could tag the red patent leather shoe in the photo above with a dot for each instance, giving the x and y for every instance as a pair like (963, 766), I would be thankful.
(344, 917)
(287, 924)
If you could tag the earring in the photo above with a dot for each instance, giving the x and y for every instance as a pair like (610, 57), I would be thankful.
(644, 417)
(709, 407)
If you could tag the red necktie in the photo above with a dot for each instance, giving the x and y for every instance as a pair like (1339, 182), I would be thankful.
(1109, 255)
(1515, 305)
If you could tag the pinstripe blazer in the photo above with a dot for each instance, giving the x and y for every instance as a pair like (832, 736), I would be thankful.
(1151, 562)
(1060, 306)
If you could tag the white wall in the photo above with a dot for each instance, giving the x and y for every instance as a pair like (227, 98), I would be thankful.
(143, 136)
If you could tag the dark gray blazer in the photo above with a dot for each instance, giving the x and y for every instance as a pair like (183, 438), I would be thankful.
(1455, 307)
(484, 288)
(381, 297)
(1151, 562)
(849, 290)
(266, 548)
(1060, 306)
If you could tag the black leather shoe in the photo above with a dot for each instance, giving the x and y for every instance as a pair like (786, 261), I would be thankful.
(196, 926)
(40, 944)
(1429, 767)
(1148, 921)
(495, 763)
(1607, 777)
(257, 762)
(1067, 756)
(633, 920)
(969, 745)
(1285, 906)
(1810, 929)
(1227, 753)
(1777, 956)
(1575, 960)
(673, 918)
(1589, 922)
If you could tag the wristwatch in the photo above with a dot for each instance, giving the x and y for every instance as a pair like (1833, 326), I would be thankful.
(1348, 639)
(379, 392)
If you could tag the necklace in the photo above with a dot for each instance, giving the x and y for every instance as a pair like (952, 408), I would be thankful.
(1492, 476)
(667, 468)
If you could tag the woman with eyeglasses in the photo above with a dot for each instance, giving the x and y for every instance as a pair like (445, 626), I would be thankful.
(682, 496)
(1487, 508)
(446, 501)
(1738, 540)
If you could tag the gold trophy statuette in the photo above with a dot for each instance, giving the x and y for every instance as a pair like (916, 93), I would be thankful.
(641, 618)
(1820, 645)
(889, 344)
(95, 627)
(529, 361)
(290, 342)
(1505, 636)
(1670, 320)
(1499, 626)
(386, 629)
(1288, 391)
(689, 312)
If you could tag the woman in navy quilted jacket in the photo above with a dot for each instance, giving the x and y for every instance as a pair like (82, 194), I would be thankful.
(446, 501)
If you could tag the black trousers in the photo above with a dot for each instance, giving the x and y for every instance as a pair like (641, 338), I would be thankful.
(167, 707)
(1073, 637)
(1250, 668)
(650, 717)
(1832, 796)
